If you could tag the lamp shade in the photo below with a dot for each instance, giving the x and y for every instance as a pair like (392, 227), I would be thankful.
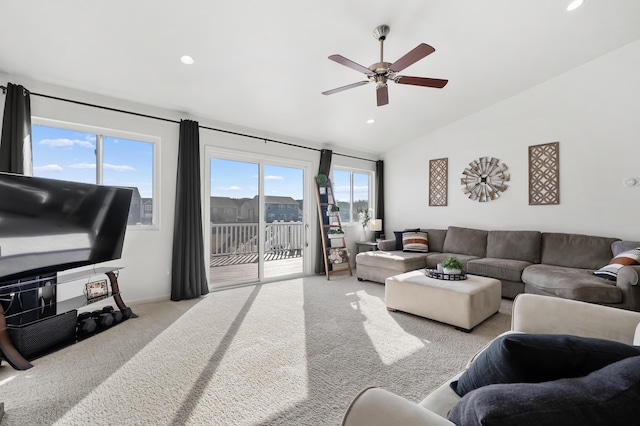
(375, 224)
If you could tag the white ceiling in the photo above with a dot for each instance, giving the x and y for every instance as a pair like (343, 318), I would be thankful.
(262, 64)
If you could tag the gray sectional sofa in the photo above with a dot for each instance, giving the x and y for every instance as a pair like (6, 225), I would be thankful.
(547, 263)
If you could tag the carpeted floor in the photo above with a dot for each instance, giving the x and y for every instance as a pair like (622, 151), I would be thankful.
(288, 353)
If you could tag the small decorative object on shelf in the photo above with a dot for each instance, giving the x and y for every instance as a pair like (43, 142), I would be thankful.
(321, 180)
(96, 289)
(333, 210)
(432, 273)
(452, 266)
(338, 255)
(336, 233)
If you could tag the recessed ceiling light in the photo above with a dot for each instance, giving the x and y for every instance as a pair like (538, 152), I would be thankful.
(371, 121)
(186, 59)
(574, 5)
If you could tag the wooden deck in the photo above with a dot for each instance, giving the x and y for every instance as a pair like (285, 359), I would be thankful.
(243, 268)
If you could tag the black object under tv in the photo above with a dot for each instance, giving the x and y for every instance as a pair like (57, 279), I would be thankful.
(49, 225)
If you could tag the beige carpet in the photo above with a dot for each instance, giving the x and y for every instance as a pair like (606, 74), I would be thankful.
(288, 353)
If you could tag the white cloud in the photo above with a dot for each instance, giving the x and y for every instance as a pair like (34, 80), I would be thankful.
(48, 168)
(83, 166)
(65, 143)
(231, 188)
(118, 168)
(273, 178)
(106, 166)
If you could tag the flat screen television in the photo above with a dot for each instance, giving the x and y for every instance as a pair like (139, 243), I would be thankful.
(49, 225)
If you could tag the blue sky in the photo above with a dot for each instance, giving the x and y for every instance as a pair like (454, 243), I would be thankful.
(238, 179)
(70, 155)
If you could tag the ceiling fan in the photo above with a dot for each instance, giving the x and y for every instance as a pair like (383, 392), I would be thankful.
(381, 72)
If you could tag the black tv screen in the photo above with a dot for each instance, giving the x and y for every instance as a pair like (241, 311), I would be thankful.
(49, 225)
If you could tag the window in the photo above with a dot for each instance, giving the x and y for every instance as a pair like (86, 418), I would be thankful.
(90, 155)
(352, 191)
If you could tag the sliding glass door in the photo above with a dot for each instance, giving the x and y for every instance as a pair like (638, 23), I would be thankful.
(258, 222)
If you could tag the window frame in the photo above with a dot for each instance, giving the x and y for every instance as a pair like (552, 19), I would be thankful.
(101, 132)
(371, 195)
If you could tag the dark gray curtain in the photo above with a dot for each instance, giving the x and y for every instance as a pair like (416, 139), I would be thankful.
(188, 277)
(15, 144)
(325, 167)
(380, 193)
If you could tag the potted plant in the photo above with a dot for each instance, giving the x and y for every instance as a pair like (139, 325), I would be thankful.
(336, 233)
(333, 210)
(365, 217)
(452, 266)
(321, 179)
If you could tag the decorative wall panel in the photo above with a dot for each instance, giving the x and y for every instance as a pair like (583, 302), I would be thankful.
(438, 181)
(544, 174)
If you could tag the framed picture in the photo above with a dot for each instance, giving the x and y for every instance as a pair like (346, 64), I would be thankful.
(96, 289)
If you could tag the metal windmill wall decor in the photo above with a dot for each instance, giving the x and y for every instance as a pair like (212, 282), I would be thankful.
(485, 179)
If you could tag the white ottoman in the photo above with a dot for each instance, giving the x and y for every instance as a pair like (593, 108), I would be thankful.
(463, 304)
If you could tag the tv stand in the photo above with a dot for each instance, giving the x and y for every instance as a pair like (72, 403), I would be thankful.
(11, 354)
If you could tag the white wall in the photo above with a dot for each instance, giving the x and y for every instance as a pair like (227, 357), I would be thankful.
(593, 111)
(147, 254)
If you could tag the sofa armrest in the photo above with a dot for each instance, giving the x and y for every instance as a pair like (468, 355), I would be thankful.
(387, 245)
(628, 275)
(534, 313)
(378, 407)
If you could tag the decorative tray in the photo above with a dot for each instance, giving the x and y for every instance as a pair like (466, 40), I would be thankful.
(432, 273)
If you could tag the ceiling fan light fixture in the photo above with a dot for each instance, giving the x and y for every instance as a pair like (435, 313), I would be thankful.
(381, 72)
(574, 5)
(186, 59)
(381, 32)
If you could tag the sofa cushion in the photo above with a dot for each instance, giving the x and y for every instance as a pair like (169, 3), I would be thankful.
(393, 260)
(610, 395)
(570, 283)
(468, 241)
(436, 238)
(533, 358)
(415, 241)
(575, 250)
(626, 258)
(516, 245)
(501, 269)
(398, 235)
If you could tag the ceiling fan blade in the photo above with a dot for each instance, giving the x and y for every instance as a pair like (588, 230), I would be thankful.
(422, 81)
(349, 63)
(348, 86)
(382, 93)
(412, 57)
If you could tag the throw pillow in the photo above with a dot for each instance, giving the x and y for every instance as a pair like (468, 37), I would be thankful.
(534, 358)
(610, 271)
(398, 235)
(415, 241)
(618, 247)
(607, 396)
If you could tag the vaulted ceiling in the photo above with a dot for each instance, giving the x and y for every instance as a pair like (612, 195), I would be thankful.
(262, 65)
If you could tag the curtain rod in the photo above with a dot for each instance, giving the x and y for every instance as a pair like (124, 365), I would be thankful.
(4, 90)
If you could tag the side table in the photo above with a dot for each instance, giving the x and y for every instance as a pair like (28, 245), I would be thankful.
(366, 246)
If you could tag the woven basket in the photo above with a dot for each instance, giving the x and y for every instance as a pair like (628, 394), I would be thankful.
(39, 337)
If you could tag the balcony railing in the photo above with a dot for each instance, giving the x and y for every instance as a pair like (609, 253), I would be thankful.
(242, 238)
